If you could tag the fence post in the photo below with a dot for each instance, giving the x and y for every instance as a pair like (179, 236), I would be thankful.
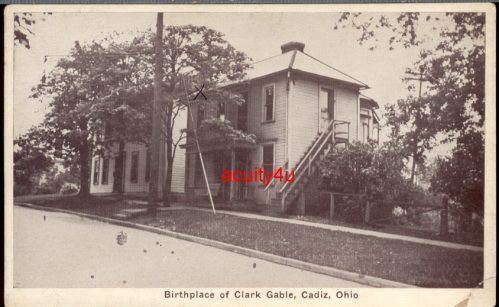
(444, 217)
(331, 206)
(367, 212)
(301, 203)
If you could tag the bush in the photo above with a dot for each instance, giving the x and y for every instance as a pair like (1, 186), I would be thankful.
(68, 188)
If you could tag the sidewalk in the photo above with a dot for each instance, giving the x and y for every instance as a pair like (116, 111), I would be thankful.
(365, 232)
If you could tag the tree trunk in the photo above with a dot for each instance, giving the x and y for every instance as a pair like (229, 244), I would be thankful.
(119, 169)
(85, 167)
(167, 190)
(413, 170)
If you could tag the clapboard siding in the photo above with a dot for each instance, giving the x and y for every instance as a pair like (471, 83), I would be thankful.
(304, 113)
(347, 109)
(304, 117)
(267, 132)
(178, 176)
(274, 131)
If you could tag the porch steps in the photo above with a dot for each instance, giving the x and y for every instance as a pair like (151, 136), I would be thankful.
(308, 166)
(126, 214)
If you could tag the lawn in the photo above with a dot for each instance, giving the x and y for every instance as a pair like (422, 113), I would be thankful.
(402, 261)
(412, 263)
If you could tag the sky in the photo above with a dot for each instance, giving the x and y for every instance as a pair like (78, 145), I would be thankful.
(259, 35)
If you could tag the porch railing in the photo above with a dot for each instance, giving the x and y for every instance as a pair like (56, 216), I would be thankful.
(304, 167)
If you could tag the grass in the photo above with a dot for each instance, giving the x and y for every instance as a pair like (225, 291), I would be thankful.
(472, 238)
(412, 263)
(407, 262)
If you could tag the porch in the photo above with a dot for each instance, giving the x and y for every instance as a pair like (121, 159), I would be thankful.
(227, 170)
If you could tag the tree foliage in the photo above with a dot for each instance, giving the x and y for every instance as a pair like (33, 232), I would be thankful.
(461, 176)
(452, 62)
(365, 168)
(216, 132)
(30, 162)
(195, 58)
(85, 91)
(101, 94)
(23, 22)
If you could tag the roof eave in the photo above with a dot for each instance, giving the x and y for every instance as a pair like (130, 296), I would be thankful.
(357, 85)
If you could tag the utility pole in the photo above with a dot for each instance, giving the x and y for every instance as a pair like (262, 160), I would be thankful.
(415, 148)
(156, 116)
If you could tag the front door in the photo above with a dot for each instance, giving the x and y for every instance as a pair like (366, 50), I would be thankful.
(326, 108)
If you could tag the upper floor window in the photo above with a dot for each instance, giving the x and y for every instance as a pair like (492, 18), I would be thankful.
(268, 102)
(96, 170)
(242, 113)
(134, 170)
(105, 171)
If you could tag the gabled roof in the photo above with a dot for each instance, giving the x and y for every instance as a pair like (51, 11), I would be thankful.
(298, 61)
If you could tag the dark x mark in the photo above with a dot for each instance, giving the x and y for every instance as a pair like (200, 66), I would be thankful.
(200, 91)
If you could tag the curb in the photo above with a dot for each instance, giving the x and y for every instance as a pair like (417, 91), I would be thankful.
(346, 275)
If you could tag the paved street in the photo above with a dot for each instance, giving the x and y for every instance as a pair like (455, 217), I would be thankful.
(57, 250)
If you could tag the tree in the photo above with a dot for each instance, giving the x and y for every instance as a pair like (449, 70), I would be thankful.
(193, 56)
(121, 111)
(453, 61)
(101, 94)
(30, 162)
(418, 137)
(461, 176)
(74, 87)
(453, 65)
(22, 28)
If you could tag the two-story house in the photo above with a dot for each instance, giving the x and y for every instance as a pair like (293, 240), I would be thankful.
(135, 168)
(299, 108)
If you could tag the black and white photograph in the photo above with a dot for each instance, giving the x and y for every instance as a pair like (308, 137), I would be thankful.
(250, 155)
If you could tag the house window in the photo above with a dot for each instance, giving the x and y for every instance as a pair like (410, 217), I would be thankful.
(376, 134)
(200, 116)
(221, 111)
(148, 166)
(268, 158)
(242, 113)
(365, 132)
(105, 171)
(191, 166)
(134, 170)
(96, 170)
(268, 108)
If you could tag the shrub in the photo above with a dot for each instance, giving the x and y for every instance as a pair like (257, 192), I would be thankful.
(68, 188)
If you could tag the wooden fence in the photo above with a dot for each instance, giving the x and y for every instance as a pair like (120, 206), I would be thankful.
(368, 207)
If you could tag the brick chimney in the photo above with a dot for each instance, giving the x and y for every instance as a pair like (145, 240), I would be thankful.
(290, 46)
